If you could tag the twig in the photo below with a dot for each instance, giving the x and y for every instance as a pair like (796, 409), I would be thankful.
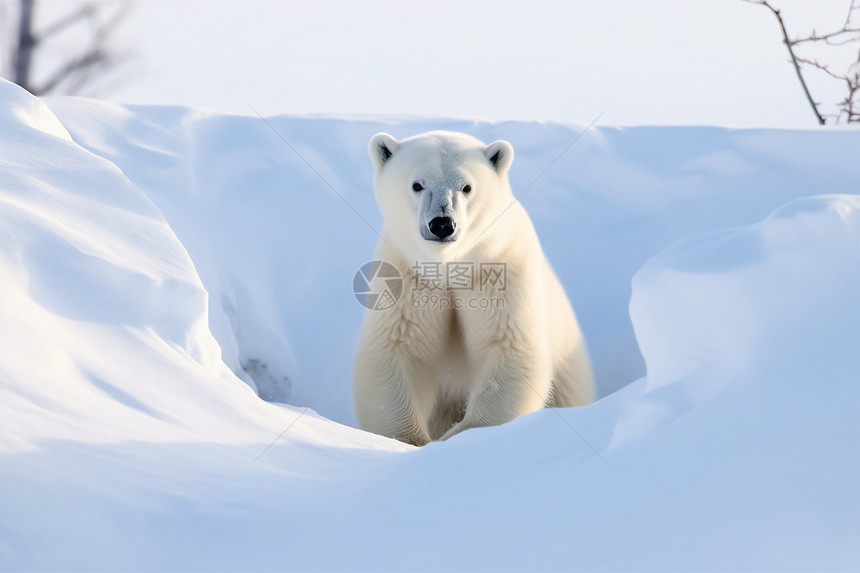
(794, 61)
(848, 34)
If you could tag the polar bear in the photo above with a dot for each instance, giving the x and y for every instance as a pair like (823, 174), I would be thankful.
(447, 356)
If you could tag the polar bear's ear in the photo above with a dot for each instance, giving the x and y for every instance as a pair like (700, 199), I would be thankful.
(382, 147)
(500, 154)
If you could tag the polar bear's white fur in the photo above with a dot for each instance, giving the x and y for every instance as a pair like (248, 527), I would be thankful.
(443, 359)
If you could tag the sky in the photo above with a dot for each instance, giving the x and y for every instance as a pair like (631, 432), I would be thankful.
(661, 62)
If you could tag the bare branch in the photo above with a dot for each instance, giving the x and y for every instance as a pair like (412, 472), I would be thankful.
(74, 66)
(794, 61)
(85, 11)
(829, 38)
(24, 49)
(851, 8)
(823, 67)
(77, 71)
(849, 107)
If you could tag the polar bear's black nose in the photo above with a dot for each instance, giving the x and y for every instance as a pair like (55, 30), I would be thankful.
(442, 227)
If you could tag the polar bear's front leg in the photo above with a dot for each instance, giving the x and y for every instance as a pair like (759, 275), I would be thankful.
(391, 400)
(514, 381)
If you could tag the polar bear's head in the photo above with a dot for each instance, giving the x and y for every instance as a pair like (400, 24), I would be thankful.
(439, 192)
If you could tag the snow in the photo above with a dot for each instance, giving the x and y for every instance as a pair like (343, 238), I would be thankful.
(159, 264)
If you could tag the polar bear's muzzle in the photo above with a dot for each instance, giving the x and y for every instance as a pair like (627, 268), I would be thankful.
(442, 228)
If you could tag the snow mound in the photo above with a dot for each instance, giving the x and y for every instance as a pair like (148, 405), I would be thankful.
(158, 265)
(22, 112)
(760, 301)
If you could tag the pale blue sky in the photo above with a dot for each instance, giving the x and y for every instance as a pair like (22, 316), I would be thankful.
(716, 62)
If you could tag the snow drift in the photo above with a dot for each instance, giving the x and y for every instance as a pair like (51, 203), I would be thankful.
(158, 265)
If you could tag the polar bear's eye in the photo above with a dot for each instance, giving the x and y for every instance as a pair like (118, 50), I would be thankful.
(417, 186)
(467, 188)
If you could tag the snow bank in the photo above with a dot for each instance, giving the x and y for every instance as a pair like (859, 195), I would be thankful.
(278, 214)
(152, 257)
(86, 258)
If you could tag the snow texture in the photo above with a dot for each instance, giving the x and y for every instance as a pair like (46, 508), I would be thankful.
(163, 269)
